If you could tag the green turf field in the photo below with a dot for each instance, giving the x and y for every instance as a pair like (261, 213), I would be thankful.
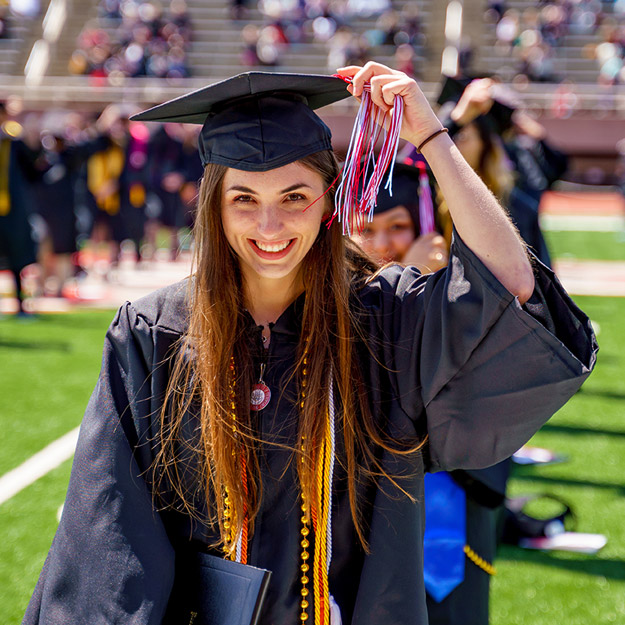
(586, 245)
(49, 366)
(534, 588)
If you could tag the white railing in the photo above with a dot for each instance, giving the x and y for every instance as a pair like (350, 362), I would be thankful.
(82, 91)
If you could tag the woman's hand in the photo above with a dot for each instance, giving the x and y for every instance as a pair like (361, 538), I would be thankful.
(476, 100)
(428, 253)
(477, 216)
(419, 119)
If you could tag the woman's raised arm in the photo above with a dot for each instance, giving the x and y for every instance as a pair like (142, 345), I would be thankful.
(477, 215)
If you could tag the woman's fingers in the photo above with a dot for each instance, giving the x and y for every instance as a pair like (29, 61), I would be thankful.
(378, 91)
(402, 86)
(348, 71)
(362, 75)
(419, 120)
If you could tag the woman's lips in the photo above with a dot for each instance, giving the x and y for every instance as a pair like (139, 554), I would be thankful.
(268, 255)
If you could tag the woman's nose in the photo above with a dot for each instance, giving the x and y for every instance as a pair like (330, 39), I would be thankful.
(379, 243)
(269, 220)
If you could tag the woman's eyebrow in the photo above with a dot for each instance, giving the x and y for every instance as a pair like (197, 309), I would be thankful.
(293, 187)
(241, 189)
(297, 185)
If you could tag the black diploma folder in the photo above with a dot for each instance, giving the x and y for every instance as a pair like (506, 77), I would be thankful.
(209, 590)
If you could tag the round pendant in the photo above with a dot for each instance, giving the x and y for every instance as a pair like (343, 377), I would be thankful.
(260, 396)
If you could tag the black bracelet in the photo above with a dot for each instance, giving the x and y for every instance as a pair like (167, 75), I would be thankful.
(432, 136)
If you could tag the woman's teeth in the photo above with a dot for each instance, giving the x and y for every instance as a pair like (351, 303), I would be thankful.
(275, 247)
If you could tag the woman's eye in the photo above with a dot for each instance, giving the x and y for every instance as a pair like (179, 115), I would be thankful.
(295, 197)
(244, 198)
(399, 227)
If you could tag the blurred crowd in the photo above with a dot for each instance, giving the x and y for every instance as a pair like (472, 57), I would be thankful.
(81, 182)
(133, 38)
(332, 24)
(532, 37)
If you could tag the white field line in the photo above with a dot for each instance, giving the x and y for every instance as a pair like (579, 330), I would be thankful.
(37, 466)
(597, 223)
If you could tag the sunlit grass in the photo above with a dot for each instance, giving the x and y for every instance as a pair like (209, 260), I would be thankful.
(48, 368)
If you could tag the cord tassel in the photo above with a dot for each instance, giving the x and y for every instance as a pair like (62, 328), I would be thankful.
(356, 195)
(426, 206)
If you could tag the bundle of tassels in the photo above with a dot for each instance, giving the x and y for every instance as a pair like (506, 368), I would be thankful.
(363, 172)
(426, 206)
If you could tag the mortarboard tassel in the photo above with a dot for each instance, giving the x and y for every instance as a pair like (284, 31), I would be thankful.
(356, 198)
(426, 206)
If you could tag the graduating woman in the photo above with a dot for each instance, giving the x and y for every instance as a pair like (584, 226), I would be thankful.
(281, 407)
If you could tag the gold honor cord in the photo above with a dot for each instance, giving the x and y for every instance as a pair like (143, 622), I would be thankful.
(5, 160)
(320, 514)
(478, 561)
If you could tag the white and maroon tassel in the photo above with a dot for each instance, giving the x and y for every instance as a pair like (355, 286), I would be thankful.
(426, 206)
(356, 195)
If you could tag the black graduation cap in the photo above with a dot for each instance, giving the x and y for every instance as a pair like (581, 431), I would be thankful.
(256, 121)
(405, 191)
(500, 114)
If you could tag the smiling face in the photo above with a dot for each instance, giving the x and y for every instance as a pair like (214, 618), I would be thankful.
(264, 220)
(389, 236)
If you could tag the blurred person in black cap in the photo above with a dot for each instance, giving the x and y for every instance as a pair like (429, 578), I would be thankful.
(475, 121)
(538, 166)
(193, 171)
(506, 147)
(62, 160)
(395, 233)
(173, 166)
(18, 173)
(458, 588)
(117, 178)
(258, 436)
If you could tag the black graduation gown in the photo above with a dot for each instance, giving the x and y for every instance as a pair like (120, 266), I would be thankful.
(452, 355)
(164, 158)
(17, 244)
(538, 167)
(56, 194)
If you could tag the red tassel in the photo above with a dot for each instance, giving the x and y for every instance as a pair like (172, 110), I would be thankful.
(356, 195)
(426, 206)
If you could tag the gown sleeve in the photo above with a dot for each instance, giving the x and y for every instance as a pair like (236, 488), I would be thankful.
(485, 372)
(111, 560)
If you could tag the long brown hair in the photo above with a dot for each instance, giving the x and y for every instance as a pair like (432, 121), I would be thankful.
(213, 370)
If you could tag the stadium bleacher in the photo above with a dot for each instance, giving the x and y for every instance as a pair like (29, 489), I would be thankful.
(571, 57)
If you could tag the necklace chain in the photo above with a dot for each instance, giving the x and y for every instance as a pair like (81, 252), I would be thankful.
(309, 514)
